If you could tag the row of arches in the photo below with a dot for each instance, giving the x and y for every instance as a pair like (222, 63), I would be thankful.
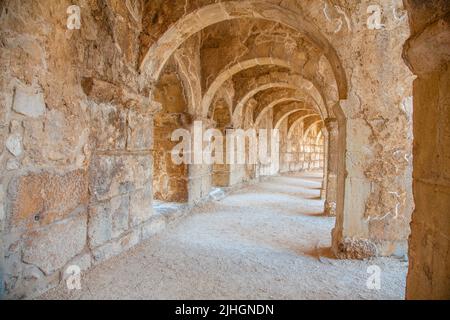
(106, 99)
(263, 86)
(347, 105)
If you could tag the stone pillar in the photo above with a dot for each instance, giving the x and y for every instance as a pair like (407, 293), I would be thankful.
(200, 175)
(332, 166)
(222, 172)
(429, 245)
(170, 180)
(2, 232)
(2, 253)
(377, 203)
(323, 192)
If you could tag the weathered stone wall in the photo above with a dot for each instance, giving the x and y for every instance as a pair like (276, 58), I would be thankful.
(300, 152)
(76, 140)
(427, 54)
(222, 171)
(170, 181)
(331, 166)
(86, 117)
(272, 166)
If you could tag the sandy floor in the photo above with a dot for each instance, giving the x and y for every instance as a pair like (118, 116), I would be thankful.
(268, 241)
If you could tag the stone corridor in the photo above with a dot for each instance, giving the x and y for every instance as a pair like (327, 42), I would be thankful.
(266, 241)
(124, 123)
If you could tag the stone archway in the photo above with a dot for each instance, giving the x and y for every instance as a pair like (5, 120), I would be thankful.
(150, 70)
(211, 14)
(77, 164)
(292, 82)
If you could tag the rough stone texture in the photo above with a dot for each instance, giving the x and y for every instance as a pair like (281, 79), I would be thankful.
(377, 203)
(86, 116)
(332, 167)
(75, 120)
(356, 249)
(51, 248)
(14, 145)
(108, 221)
(153, 227)
(141, 206)
(113, 175)
(38, 200)
(29, 102)
(115, 247)
(429, 270)
(170, 181)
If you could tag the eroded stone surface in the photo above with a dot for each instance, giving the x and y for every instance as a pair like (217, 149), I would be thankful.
(29, 102)
(42, 199)
(429, 269)
(108, 221)
(115, 175)
(50, 249)
(86, 117)
(14, 145)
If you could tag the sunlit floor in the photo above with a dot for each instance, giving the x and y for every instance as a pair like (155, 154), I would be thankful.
(266, 241)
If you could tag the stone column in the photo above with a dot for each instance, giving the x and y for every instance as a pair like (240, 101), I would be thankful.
(222, 172)
(200, 175)
(332, 166)
(323, 192)
(429, 245)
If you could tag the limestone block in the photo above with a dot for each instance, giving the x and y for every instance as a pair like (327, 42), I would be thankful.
(57, 137)
(357, 191)
(29, 102)
(140, 131)
(51, 248)
(116, 247)
(330, 209)
(108, 220)
(356, 164)
(109, 126)
(154, 226)
(32, 283)
(3, 136)
(113, 175)
(14, 144)
(221, 179)
(83, 261)
(141, 205)
(39, 199)
(106, 92)
(359, 249)
(12, 164)
(171, 190)
(2, 203)
(429, 51)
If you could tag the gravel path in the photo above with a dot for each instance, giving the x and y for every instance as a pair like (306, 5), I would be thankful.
(266, 241)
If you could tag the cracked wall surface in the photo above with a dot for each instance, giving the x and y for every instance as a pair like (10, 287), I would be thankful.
(87, 115)
(426, 52)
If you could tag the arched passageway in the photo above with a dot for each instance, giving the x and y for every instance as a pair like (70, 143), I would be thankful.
(113, 131)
